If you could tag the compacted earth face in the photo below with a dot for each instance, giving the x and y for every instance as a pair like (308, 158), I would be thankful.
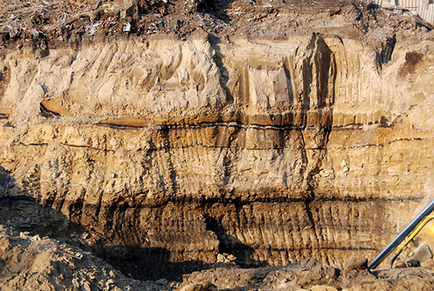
(262, 142)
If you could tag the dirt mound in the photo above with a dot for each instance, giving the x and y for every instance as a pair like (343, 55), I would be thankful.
(309, 275)
(31, 262)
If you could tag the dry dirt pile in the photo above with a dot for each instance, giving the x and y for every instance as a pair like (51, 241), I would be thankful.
(310, 275)
(29, 262)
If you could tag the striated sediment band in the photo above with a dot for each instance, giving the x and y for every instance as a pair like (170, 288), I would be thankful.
(270, 150)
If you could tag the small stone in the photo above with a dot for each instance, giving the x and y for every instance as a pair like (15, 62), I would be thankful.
(126, 27)
(24, 235)
(35, 238)
(356, 264)
(412, 263)
(86, 286)
(174, 285)
(112, 274)
(161, 282)
(75, 283)
(5, 245)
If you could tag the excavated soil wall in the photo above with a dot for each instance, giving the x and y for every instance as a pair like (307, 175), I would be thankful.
(174, 151)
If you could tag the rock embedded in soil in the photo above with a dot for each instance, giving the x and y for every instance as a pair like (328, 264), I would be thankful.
(358, 264)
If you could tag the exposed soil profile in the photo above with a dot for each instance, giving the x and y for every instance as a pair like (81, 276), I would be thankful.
(212, 145)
